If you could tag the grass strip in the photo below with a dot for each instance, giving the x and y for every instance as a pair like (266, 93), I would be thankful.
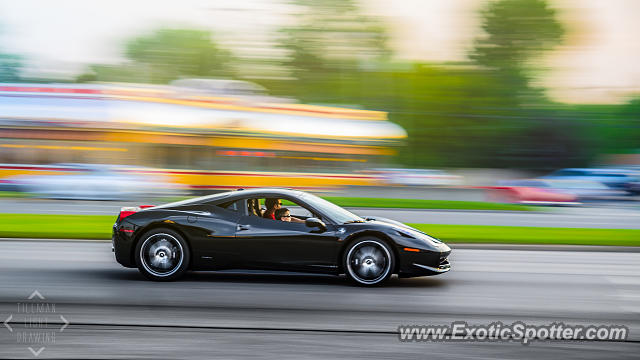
(531, 235)
(56, 226)
(99, 227)
(13, 194)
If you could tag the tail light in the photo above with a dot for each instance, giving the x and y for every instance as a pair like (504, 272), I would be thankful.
(126, 211)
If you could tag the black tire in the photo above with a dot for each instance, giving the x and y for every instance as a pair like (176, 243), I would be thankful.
(162, 255)
(368, 261)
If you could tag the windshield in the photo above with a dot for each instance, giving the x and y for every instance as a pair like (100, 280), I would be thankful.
(335, 212)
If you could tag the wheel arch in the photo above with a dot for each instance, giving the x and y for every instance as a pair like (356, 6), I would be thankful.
(158, 225)
(373, 233)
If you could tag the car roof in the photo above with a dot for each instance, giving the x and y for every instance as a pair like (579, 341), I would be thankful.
(267, 191)
(236, 194)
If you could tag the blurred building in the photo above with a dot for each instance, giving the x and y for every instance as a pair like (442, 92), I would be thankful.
(210, 126)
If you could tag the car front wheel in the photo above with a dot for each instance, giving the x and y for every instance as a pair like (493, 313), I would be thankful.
(369, 261)
(162, 255)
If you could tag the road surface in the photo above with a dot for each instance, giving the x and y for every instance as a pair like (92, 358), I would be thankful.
(114, 313)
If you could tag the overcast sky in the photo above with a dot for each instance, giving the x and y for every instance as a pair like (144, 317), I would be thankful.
(597, 63)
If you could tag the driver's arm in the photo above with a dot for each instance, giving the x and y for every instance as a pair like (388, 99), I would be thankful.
(295, 219)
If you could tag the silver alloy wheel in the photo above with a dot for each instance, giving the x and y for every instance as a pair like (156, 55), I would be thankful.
(369, 262)
(161, 254)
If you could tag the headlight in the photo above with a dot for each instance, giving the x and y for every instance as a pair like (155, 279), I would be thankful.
(415, 234)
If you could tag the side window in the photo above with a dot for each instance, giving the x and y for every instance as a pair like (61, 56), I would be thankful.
(235, 205)
(287, 209)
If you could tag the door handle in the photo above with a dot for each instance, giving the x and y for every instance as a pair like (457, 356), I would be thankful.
(243, 227)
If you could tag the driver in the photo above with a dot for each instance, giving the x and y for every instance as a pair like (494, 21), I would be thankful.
(283, 214)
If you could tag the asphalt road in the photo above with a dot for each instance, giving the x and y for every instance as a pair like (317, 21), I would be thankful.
(114, 313)
(614, 218)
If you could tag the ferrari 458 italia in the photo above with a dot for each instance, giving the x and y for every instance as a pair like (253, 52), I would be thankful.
(232, 230)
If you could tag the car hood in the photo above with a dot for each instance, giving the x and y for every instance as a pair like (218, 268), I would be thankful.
(407, 231)
(389, 222)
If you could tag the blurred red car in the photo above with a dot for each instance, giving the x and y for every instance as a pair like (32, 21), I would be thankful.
(530, 195)
(550, 191)
(532, 192)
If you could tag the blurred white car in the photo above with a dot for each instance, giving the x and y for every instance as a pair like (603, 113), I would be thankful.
(613, 178)
(95, 182)
(416, 177)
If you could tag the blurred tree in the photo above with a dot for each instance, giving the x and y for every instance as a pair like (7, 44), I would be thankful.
(455, 115)
(332, 38)
(517, 32)
(10, 66)
(165, 55)
(612, 129)
(172, 53)
(484, 115)
(451, 118)
(128, 72)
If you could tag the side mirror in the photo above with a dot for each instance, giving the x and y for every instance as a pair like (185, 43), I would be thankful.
(315, 222)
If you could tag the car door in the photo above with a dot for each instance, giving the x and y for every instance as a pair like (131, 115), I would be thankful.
(212, 231)
(280, 245)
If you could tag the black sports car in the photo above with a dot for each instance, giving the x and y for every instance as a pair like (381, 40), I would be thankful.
(231, 231)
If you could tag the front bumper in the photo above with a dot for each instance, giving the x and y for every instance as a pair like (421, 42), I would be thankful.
(424, 263)
(444, 266)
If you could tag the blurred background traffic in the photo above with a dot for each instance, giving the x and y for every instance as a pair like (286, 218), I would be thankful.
(518, 101)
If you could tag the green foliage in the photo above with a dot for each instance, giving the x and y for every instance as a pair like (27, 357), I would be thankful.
(116, 73)
(169, 54)
(517, 32)
(455, 114)
(606, 129)
(483, 113)
(330, 38)
(10, 66)
(165, 55)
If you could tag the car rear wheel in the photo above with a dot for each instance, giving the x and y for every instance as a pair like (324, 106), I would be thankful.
(369, 261)
(162, 255)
